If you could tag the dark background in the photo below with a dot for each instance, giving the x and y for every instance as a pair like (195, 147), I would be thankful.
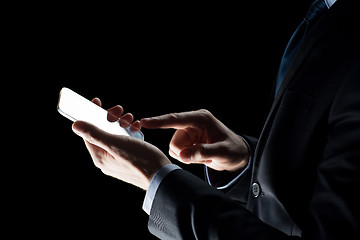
(151, 59)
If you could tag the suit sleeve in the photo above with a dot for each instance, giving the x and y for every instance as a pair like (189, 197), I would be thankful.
(185, 207)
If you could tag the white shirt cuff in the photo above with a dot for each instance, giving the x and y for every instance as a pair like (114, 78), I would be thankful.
(154, 185)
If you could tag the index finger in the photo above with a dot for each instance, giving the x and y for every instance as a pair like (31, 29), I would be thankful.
(177, 120)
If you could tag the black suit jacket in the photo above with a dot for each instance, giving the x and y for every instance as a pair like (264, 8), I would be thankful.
(304, 178)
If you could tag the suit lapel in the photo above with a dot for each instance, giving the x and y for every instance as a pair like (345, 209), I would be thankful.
(326, 22)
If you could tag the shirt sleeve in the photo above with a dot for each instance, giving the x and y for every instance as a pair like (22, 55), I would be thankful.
(233, 180)
(155, 183)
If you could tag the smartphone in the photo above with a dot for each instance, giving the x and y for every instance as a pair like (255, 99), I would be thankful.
(75, 107)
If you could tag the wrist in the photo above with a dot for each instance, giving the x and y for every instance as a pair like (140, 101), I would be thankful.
(149, 173)
(225, 179)
(240, 166)
(241, 156)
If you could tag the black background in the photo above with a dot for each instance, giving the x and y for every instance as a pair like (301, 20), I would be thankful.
(151, 59)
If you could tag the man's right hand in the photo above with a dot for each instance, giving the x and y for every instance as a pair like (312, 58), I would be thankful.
(201, 138)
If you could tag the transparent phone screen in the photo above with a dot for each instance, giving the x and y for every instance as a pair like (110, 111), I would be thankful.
(75, 107)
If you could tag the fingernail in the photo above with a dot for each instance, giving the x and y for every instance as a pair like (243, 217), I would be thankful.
(146, 119)
(77, 132)
(136, 126)
(124, 123)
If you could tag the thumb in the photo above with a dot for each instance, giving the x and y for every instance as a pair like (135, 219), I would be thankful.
(202, 153)
(94, 135)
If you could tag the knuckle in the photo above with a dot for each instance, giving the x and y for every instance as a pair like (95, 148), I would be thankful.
(205, 116)
(174, 116)
(205, 113)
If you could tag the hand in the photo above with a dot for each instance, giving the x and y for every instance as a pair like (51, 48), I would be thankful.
(125, 158)
(201, 138)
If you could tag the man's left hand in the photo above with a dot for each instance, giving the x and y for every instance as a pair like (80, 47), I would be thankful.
(128, 159)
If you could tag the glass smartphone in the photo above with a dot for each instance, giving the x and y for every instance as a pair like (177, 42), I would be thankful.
(75, 107)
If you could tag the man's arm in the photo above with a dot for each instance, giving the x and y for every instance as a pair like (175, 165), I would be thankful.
(194, 210)
(185, 207)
